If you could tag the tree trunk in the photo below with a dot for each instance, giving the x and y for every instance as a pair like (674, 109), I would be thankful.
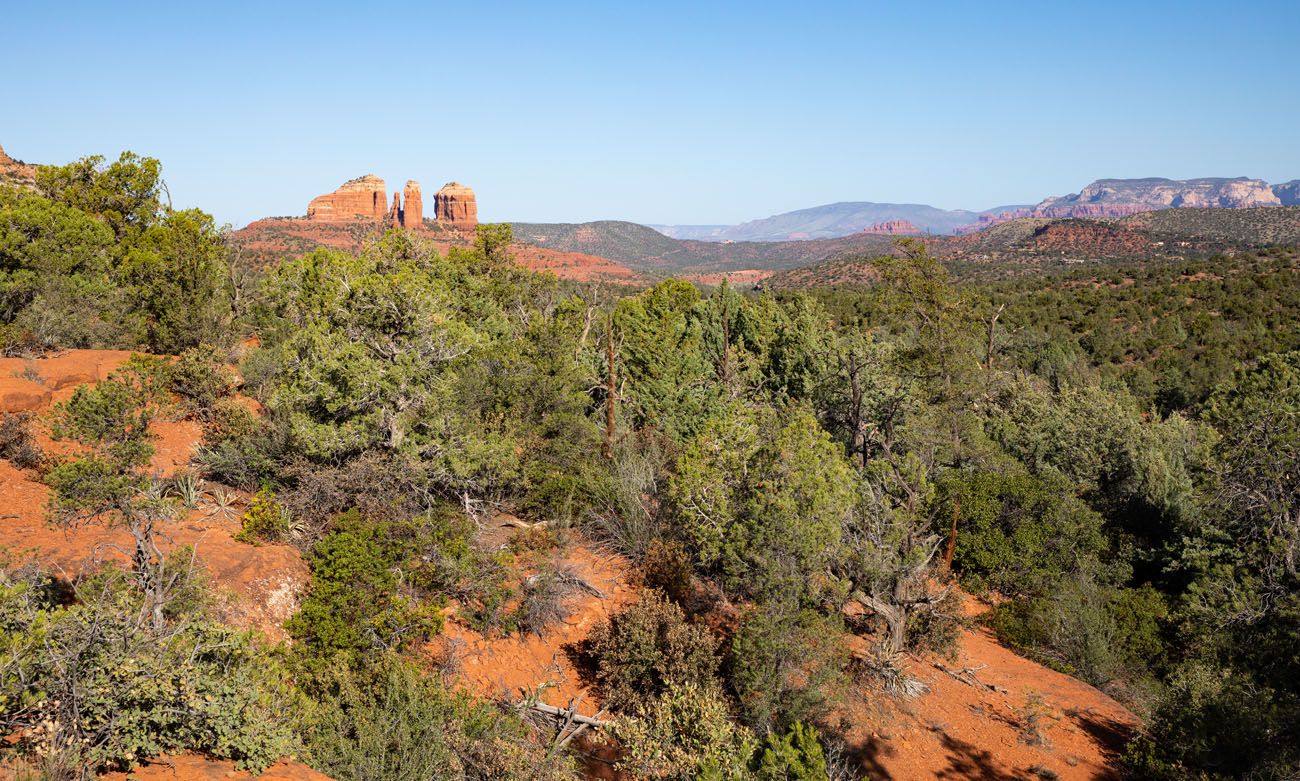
(952, 536)
(611, 391)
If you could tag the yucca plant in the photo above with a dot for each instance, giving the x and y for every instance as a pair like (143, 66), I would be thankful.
(223, 503)
(189, 489)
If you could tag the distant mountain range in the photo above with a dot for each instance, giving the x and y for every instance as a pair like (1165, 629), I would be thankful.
(832, 221)
(1103, 199)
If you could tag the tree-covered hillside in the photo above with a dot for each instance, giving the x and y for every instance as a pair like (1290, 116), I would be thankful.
(1109, 458)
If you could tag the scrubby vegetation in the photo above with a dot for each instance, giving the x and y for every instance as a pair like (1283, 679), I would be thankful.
(1114, 457)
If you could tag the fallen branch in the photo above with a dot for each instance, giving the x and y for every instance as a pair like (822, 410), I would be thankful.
(967, 676)
(571, 715)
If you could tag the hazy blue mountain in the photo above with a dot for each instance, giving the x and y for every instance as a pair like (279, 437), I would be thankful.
(832, 221)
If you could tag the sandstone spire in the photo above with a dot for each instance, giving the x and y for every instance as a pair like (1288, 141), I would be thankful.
(412, 205)
(394, 216)
(455, 206)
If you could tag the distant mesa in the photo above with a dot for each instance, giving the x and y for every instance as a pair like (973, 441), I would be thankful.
(1124, 197)
(1288, 192)
(366, 199)
(893, 228)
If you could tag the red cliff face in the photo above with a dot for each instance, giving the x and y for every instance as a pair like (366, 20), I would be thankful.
(892, 228)
(364, 198)
(413, 205)
(454, 205)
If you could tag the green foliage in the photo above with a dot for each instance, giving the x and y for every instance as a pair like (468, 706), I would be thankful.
(94, 685)
(463, 379)
(96, 260)
(265, 520)
(180, 283)
(648, 648)
(358, 602)
(786, 666)
(201, 380)
(126, 194)
(795, 756)
(55, 284)
(389, 722)
(683, 735)
(661, 358)
(1018, 534)
(763, 499)
(1101, 634)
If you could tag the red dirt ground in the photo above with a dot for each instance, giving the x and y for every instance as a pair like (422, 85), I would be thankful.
(962, 731)
(500, 666)
(189, 767)
(264, 580)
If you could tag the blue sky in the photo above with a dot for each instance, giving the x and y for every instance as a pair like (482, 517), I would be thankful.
(673, 112)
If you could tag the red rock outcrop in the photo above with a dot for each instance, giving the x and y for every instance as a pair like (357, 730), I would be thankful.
(454, 205)
(394, 216)
(16, 172)
(361, 198)
(893, 228)
(1109, 198)
(412, 205)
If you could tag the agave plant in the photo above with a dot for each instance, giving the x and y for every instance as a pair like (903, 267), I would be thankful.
(223, 503)
(189, 489)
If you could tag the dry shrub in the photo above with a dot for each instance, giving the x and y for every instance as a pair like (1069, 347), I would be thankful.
(16, 441)
(668, 568)
(649, 647)
(546, 599)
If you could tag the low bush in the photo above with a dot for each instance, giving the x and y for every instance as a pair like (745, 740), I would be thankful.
(388, 722)
(16, 441)
(795, 756)
(200, 380)
(265, 520)
(786, 666)
(359, 601)
(685, 733)
(646, 649)
(90, 683)
(229, 419)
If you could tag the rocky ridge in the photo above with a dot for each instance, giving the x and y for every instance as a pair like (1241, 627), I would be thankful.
(16, 171)
(892, 228)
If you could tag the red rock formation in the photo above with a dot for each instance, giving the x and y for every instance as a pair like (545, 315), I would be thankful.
(362, 198)
(413, 205)
(1093, 211)
(15, 172)
(893, 228)
(1109, 198)
(455, 206)
(394, 216)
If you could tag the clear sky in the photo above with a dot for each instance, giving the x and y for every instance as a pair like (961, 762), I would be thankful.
(667, 112)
